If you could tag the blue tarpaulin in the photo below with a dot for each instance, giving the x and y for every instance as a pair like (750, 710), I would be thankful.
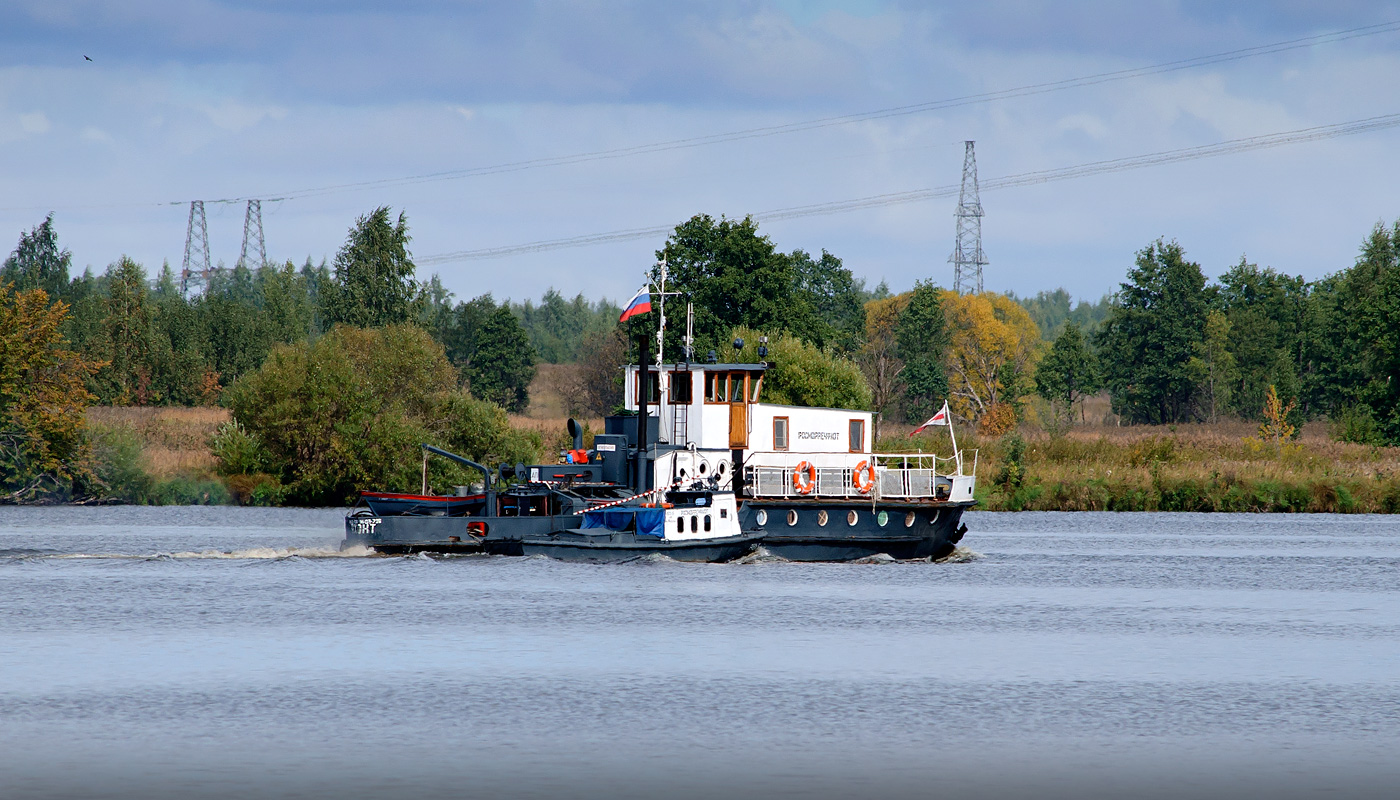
(649, 521)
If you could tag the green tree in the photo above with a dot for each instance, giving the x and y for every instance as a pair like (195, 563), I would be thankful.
(127, 326)
(1214, 365)
(831, 302)
(803, 374)
(922, 344)
(734, 277)
(503, 364)
(1267, 312)
(373, 282)
(38, 262)
(1147, 342)
(1069, 372)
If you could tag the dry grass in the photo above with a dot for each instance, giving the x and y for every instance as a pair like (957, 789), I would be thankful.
(175, 441)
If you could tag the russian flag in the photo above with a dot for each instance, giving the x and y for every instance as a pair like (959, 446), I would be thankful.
(640, 304)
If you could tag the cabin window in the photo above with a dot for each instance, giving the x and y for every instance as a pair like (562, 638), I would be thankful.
(680, 388)
(653, 386)
(680, 524)
(780, 433)
(756, 385)
(707, 522)
(694, 524)
(857, 444)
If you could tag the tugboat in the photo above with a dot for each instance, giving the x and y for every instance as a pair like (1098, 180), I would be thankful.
(722, 473)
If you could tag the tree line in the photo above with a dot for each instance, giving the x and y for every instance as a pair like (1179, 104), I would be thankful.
(1168, 347)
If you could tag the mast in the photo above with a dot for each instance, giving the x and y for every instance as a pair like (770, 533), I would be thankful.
(662, 385)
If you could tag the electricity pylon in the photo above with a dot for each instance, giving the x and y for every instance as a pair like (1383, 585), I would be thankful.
(196, 252)
(968, 258)
(252, 228)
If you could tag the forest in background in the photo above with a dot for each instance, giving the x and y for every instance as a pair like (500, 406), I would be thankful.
(333, 372)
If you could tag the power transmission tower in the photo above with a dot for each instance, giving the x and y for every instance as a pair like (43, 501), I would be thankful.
(967, 258)
(196, 254)
(252, 227)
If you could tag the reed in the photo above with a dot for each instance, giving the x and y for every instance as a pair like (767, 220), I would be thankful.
(1220, 467)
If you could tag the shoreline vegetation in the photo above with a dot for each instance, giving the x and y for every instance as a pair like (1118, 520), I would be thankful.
(1205, 467)
(272, 385)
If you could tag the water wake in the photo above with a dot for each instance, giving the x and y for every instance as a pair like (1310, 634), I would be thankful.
(760, 555)
(246, 554)
(960, 555)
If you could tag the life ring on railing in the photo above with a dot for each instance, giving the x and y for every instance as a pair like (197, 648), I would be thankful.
(864, 477)
(804, 470)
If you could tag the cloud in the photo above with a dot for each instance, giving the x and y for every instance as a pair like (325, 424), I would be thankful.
(34, 122)
(208, 100)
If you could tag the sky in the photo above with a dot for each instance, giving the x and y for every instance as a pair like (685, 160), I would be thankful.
(340, 107)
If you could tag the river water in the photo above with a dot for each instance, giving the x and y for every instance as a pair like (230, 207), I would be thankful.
(229, 652)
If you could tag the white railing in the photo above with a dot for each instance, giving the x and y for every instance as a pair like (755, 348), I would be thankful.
(901, 475)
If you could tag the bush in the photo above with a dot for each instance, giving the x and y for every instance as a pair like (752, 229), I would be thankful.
(1358, 425)
(349, 412)
(120, 469)
(237, 451)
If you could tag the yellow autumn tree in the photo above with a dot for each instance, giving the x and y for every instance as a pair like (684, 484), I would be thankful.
(42, 400)
(993, 348)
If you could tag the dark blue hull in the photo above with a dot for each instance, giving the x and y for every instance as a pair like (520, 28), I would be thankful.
(612, 547)
(794, 529)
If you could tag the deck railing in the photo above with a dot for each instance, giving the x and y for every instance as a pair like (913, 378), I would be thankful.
(897, 475)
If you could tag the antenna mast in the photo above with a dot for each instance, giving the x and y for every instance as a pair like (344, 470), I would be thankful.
(967, 258)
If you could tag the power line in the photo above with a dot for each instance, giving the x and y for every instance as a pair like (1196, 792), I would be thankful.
(845, 119)
(1229, 147)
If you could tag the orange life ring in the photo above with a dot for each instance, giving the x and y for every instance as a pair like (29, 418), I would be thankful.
(804, 469)
(866, 469)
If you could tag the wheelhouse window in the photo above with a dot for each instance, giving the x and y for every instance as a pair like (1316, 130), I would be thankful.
(715, 387)
(680, 388)
(780, 433)
(653, 387)
(857, 442)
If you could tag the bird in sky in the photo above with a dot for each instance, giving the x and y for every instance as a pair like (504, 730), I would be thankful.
(87, 58)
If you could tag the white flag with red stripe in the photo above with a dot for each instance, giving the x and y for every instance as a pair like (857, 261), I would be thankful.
(941, 418)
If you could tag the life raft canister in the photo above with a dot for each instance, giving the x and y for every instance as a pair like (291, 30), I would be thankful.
(864, 477)
(804, 477)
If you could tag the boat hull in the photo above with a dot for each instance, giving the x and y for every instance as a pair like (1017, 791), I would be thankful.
(793, 529)
(395, 535)
(617, 547)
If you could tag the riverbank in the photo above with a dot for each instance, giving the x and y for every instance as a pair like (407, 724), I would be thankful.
(161, 456)
(1203, 467)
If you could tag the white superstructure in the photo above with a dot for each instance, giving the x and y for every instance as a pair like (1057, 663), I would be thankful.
(789, 451)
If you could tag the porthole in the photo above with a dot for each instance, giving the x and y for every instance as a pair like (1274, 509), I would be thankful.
(821, 517)
(707, 522)
(792, 517)
(761, 517)
(680, 524)
(694, 524)
(722, 468)
(682, 474)
(909, 519)
(704, 467)
(852, 517)
(882, 519)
